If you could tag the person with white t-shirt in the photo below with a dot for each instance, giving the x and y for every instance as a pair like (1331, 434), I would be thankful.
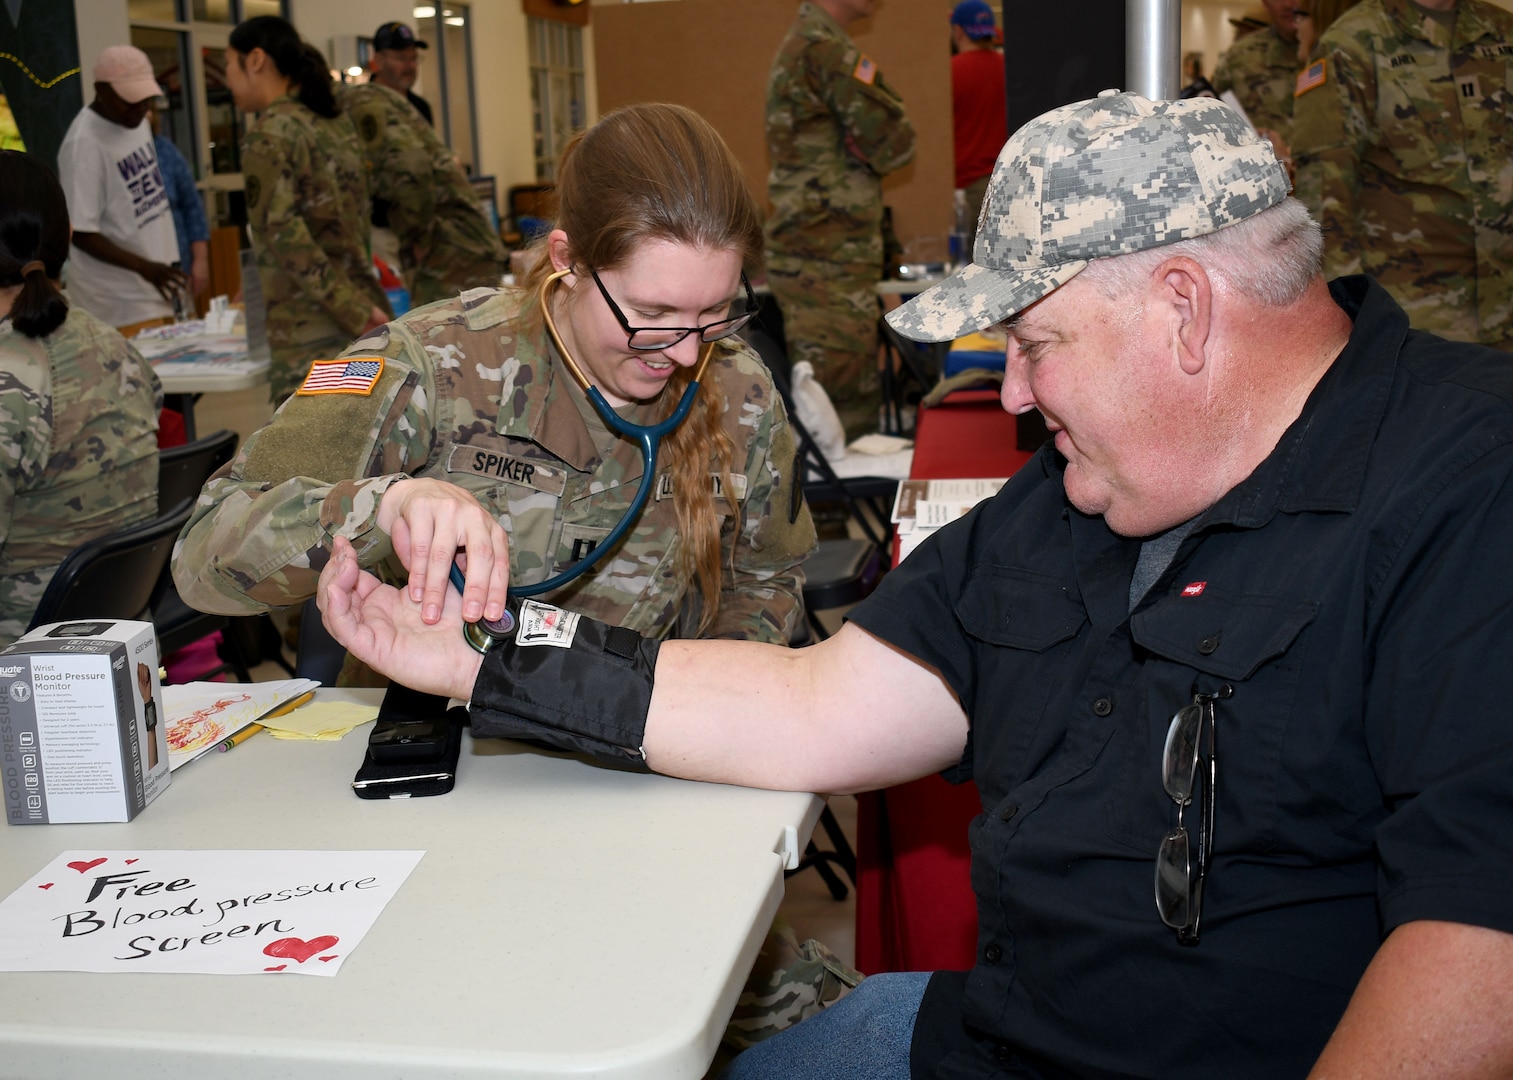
(122, 263)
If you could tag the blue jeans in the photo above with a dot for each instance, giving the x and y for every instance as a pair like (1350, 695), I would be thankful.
(864, 1036)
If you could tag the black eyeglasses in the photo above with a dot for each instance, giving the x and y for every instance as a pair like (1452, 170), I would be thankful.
(1179, 875)
(655, 338)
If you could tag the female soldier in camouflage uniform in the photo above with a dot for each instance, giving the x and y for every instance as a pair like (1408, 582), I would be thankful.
(441, 432)
(78, 405)
(307, 200)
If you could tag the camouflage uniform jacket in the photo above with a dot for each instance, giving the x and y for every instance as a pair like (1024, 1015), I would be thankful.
(1262, 70)
(446, 242)
(307, 209)
(79, 449)
(1403, 150)
(827, 201)
(466, 397)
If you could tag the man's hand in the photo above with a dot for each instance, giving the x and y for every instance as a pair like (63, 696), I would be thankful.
(430, 522)
(168, 280)
(383, 629)
(199, 270)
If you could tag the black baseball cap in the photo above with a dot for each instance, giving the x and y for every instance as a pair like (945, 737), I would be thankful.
(396, 35)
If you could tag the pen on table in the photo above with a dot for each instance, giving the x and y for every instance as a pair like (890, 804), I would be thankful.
(240, 737)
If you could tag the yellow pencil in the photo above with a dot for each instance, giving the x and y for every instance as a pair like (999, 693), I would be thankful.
(240, 737)
(289, 706)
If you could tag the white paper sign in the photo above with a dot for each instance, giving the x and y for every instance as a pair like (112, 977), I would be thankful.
(211, 912)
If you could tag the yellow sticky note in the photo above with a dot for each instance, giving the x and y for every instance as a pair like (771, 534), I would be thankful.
(320, 720)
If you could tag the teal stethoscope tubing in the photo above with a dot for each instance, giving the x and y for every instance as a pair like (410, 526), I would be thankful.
(648, 437)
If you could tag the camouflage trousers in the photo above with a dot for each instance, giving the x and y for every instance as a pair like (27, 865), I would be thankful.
(830, 319)
(790, 981)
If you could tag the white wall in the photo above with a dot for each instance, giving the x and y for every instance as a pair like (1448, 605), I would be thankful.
(102, 23)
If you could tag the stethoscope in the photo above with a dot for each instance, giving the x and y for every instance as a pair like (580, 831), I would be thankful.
(487, 633)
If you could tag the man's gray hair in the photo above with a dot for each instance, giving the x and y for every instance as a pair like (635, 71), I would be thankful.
(1272, 257)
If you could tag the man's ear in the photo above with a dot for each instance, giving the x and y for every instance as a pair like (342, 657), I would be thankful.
(1184, 284)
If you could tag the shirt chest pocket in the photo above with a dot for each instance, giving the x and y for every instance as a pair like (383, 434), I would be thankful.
(1256, 645)
(643, 558)
(1025, 624)
(1419, 118)
(523, 492)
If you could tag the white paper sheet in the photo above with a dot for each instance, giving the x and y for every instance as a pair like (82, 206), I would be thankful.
(210, 912)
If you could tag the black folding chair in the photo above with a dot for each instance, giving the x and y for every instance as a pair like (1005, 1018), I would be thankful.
(112, 577)
(183, 470)
(245, 641)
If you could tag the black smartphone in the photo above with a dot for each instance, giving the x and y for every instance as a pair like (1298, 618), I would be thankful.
(409, 740)
(413, 747)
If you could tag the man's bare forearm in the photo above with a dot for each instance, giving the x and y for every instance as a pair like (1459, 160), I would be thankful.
(848, 714)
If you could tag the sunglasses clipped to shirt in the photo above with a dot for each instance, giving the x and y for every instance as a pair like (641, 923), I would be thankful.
(656, 338)
(1181, 863)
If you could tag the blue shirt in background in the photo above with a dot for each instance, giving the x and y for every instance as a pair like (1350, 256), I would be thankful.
(188, 211)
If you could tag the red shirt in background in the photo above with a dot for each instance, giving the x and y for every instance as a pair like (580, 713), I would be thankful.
(979, 112)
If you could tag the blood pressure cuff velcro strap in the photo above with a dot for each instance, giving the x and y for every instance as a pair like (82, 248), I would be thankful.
(591, 696)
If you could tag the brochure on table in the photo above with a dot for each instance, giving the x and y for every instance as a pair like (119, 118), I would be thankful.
(922, 506)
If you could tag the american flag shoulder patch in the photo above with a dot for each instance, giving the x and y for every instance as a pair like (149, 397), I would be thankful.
(1315, 74)
(352, 375)
(865, 70)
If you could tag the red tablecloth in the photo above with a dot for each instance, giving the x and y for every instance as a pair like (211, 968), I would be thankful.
(914, 904)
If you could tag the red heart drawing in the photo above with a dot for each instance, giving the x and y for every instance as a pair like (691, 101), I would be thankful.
(279, 968)
(49, 885)
(328, 959)
(130, 861)
(84, 867)
(299, 949)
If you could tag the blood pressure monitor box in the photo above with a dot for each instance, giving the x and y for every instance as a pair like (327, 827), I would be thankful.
(80, 731)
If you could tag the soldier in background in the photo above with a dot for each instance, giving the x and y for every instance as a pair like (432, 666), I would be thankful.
(834, 129)
(78, 405)
(1402, 138)
(396, 61)
(307, 201)
(446, 243)
(1262, 68)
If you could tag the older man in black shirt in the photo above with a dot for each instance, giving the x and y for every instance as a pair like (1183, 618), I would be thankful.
(1225, 659)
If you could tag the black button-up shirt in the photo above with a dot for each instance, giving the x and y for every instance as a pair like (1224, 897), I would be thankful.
(1355, 592)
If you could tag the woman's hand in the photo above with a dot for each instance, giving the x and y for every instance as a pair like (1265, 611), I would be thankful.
(431, 522)
(377, 624)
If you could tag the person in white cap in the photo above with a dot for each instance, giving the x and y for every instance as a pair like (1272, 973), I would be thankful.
(123, 267)
(1225, 658)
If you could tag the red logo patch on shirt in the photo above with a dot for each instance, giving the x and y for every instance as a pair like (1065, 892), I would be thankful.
(1195, 588)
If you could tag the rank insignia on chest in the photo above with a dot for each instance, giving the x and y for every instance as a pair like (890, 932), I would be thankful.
(354, 375)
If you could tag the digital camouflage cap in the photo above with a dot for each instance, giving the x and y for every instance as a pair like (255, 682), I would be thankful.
(1112, 175)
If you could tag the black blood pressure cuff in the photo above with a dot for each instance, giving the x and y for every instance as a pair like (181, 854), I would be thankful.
(589, 690)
